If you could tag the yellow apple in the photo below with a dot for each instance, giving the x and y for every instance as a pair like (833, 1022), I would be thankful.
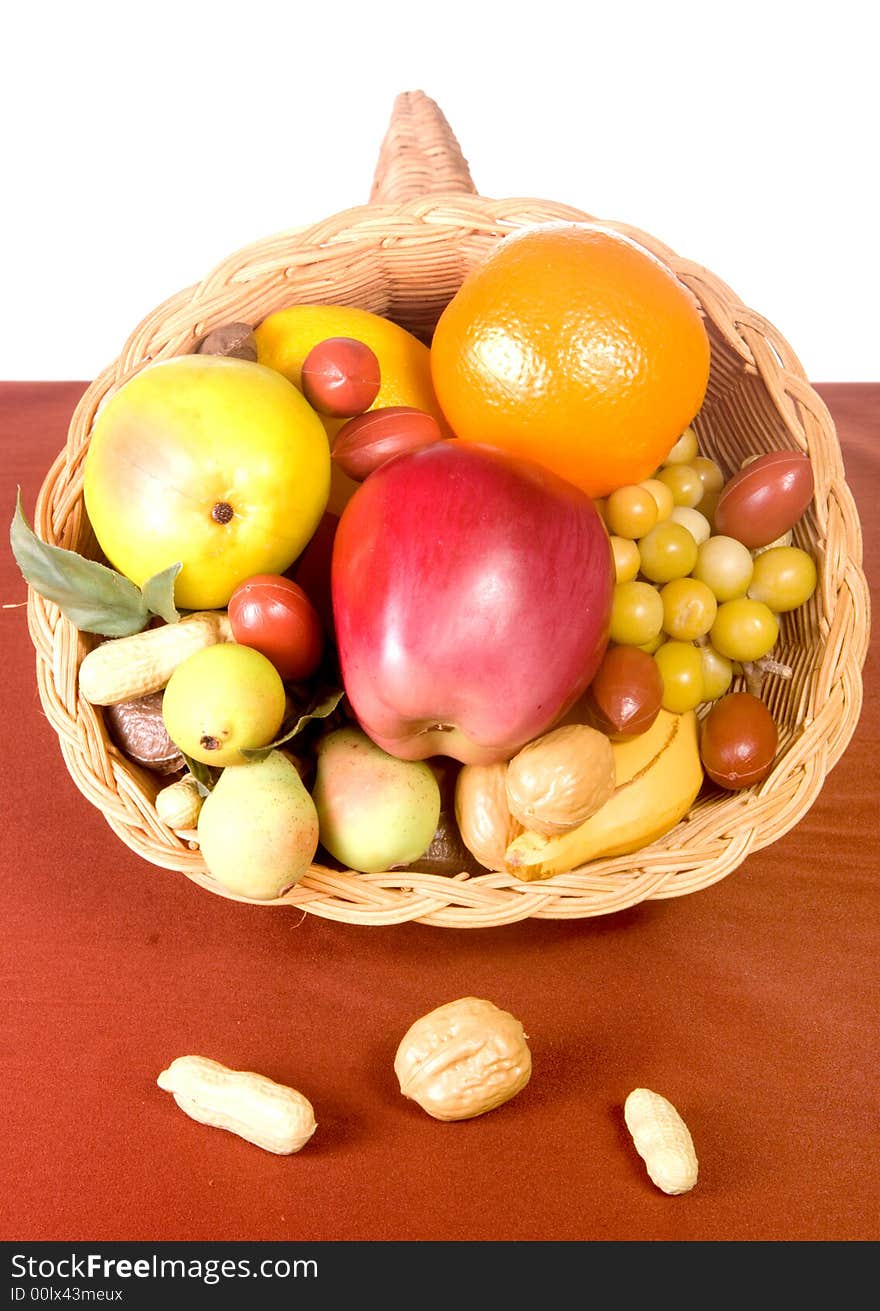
(218, 463)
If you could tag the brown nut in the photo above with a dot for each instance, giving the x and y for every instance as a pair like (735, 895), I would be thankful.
(483, 815)
(368, 441)
(235, 340)
(139, 731)
(561, 779)
(463, 1059)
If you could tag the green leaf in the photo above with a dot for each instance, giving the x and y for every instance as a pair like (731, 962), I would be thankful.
(94, 598)
(158, 593)
(324, 704)
(204, 775)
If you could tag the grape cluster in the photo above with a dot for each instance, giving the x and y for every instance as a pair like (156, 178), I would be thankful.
(701, 603)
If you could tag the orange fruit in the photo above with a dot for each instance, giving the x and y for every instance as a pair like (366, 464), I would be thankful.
(576, 347)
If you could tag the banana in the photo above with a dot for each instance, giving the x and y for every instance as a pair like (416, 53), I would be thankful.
(658, 776)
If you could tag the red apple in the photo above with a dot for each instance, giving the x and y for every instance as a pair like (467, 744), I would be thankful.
(471, 597)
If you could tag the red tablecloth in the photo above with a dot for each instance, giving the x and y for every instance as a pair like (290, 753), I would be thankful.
(751, 1005)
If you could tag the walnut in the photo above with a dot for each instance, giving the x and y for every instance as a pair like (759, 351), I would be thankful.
(561, 779)
(463, 1059)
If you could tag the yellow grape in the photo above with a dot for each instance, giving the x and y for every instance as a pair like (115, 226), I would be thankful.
(630, 511)
(636, 613)
(651, 647)
(696, 523)
(717, 672)
(668, 551)
(689, 609)
(681, 669)
(627, 560)
(684, 482)
(684, 450)
(711, 475)
(744, 630)
(661, 494)
(706, 506)
(725, 565)
(783, 578)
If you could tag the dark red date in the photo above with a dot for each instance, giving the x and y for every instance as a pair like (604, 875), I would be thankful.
(765, 498)
(738, 741)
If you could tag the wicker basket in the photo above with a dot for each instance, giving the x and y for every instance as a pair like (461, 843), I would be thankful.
(404, 255)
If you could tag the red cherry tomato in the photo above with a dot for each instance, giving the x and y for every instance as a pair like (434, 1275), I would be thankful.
(274, 615)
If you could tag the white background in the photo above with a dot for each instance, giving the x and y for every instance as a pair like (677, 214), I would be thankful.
(142, 144)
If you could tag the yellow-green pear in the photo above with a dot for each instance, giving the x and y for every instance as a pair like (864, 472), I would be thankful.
(374, 810)
(221, 699)
(258, 828)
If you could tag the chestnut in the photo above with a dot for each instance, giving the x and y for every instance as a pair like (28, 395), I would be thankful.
(138, 730)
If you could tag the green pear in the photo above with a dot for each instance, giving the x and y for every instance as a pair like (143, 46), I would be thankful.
(258, 828)
(221, 699)
(374, 810)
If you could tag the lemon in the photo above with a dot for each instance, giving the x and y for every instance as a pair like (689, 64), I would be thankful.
(285, 338)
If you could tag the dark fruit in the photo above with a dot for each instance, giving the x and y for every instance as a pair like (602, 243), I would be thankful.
(274, 615)
(765, 499)
(624, 698)
(738, 741)
(340, 377)
(367, 441)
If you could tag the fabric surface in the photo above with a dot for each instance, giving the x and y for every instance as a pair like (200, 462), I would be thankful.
(751, 1005)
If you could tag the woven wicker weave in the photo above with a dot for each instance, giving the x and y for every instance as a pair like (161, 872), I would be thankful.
(404, 255)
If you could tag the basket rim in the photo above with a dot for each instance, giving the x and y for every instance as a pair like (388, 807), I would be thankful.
(663, 870)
